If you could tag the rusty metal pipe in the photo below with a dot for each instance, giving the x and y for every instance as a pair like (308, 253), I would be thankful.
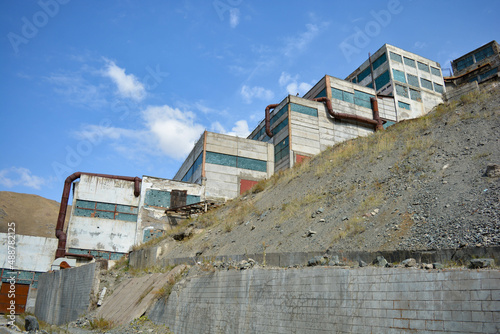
(341, 116)
(376, 115)
(268, 119)
(86, 256)
(60, 234)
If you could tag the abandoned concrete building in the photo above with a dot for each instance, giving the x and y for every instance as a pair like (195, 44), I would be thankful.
(110, 214)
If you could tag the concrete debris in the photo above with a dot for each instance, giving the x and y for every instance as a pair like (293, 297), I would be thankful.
(380, 261)
(31, 324)
(411, 262)
(317, 261)
(492, 170)
(481, 263)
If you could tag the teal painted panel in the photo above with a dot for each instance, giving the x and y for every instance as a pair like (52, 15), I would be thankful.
(85, 204)
(322, 93)
(464, 63)
(337, 94)
(9, 273)
(396, 57)
(34, 285)
(26, 275)
(436, 71)
(482, 76)
(380, 61)
(484, 53)
(191, 199)
(115, 256)
(22, 281)
(105, 215)
(398, 75)
(348, 97)
(413, 80)
(126, 217)
(252, 164)
(370, 85)
(304, 110)
(362, 99)
(77, 251)
(364, 74)
(438, 88)
(409, 62)
(426, 83)
(159, 198)
(415, 95)
(281, 150)
(423, 67)
(94, 253)
(221, 159)
(83, 212)
(403, 105)
(126, 209)
(383, 79)
(279, 114)
(36, 276)
(105, 206)
(401, 90)
(388, 124)
(280, 126)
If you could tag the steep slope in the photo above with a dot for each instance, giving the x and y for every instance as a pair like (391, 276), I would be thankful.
(418, 185)
(33, 215)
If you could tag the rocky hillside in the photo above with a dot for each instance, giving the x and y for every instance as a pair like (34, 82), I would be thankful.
(33, 215)
(421, 184)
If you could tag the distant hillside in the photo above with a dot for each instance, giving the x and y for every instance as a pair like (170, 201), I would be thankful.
(418, 185)
(33, 215)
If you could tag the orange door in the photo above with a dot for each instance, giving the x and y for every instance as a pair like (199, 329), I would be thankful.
(20, 297)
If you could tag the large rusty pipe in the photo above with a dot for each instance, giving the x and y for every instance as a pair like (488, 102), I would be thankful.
(341, 116)
(61, 247)
(376, 115)
(268, 119)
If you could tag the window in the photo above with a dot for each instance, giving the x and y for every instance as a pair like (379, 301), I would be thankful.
(193, 168)
(304, 110)
(280, 113)
(413, 80)
(234, 161)
(436, 71)
(380, 61)
(382, 80)
(105, 210)
(280, 126)
(484, 53)
(464, 63)
(364, 74)
(362, 99)
(488, 74)
(415, 95)
(281, 150)
(401, 90)
(409, 62)
(399, 75)
(438, 88)
(396, 57)
(423, 67)
(322, 93)
(426, 83)
(342, 95)
(404, 105)
(370, 85)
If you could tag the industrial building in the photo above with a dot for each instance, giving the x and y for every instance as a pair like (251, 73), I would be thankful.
(415, 82)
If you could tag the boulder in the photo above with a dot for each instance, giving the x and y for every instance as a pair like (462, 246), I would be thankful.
(31, 324)
(481, 263)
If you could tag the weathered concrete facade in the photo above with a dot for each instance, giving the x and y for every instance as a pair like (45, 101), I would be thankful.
(226, 165)
(333, 300)
(415, 82)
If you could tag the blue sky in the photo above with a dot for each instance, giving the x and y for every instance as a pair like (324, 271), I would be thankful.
(127, 87)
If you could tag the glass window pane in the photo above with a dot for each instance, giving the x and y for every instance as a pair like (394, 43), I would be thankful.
(337, 94)
(348, 97)
(426, 83)
(415, 95)
(423, 67)
(403, 105)
(409, 62)
(413, 80)
(436, 71)
(396, 57)
(304, 110)
(438, 88)
(380, 61)
(401, 90)
(382, 80)
(399, 76)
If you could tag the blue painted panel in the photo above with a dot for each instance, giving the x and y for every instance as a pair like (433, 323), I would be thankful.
(221, 159)
(436, 71)
(85, 204)
(403, 105)
(252, 164)
(159, 198)
(426, 83)
(105, 206)
(413, 80)
(438, 88)
(396, 57)
(415, 95)
(382, 80)
(191, 199)
(126, 217)
(423, 67)
(380, 61)
(322, 93)
(364, 74)
(304, 110)
(401, 90)
(410, 62)
(398, 75)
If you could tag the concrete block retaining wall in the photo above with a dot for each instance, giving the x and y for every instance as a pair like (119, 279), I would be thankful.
(64, 295)
(334, 300)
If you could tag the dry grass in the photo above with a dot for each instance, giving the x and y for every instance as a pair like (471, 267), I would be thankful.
(101, 324)
(165, 291)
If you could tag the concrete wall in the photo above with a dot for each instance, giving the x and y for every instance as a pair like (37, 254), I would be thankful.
(32, 253)
(95, 233)
(188, 163)
(333, 300)
(65, 295)
(153, 218)
(455, 93)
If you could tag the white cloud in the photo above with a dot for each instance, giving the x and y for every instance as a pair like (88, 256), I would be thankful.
(240, 129)
(300, 42)
(76, 89)
(96, 133)
(128, 85)
(419, 45)
(234, 17)
(293, 86)
(249, 93)
(19, 176)
(175, 130)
